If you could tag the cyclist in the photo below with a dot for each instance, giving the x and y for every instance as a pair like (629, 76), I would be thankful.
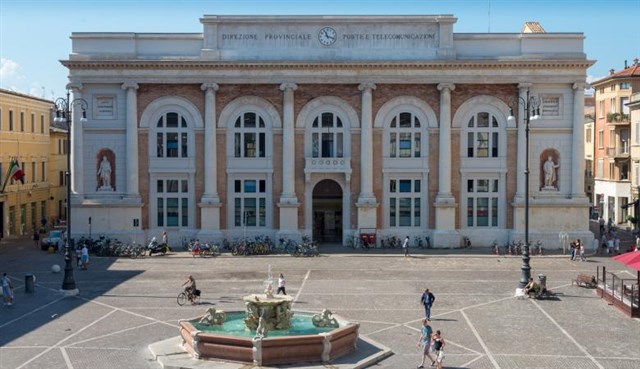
(190, 288)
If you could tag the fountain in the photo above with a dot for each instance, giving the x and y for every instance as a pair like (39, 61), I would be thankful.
(268, 332)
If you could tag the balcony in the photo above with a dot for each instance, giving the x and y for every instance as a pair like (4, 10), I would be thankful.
(327, 165)
(618, 152)
(617, 119)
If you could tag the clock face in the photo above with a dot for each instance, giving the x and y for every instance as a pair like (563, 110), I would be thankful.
(327, 36)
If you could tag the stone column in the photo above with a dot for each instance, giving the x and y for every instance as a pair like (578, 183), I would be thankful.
(366, 201)
(132, 139)
(577, 165)
(210, 201)
(445, 204)
(288, 201)
(77, 157)
(288, 145)
(521, 154)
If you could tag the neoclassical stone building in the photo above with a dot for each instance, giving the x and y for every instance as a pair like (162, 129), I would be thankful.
(327, 126)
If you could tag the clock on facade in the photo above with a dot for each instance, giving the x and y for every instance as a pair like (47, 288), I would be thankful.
(327, 36)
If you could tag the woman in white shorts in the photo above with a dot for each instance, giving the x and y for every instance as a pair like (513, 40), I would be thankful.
(438, 346)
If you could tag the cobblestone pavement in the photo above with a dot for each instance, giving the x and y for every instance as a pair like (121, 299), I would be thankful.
(124, 305)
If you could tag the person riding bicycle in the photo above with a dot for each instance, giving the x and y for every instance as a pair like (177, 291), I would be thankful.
(190, 288)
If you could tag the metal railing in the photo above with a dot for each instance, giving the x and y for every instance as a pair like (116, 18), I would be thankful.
(621, 292)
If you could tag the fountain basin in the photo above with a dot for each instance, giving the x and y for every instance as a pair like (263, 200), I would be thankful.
(324, 346)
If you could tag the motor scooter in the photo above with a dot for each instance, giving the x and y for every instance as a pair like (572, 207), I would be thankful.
(155, 248)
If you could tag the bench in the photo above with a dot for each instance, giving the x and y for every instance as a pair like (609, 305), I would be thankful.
(584, 280)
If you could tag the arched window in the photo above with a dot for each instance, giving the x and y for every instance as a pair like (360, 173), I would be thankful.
(327, 136)
(172, 136)
(249, 136)
(483, 136)
(404, 136)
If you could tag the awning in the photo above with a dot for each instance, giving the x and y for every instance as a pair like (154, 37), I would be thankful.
(630, 259)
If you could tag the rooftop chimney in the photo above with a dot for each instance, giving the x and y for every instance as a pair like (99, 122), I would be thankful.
(635, 61)
(625, 64)
(611, 71)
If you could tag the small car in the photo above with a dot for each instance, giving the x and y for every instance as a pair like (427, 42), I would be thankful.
(52, 239)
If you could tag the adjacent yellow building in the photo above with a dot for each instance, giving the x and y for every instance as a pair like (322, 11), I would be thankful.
(26, 135)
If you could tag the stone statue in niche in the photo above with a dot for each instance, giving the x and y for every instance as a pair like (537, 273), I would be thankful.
(104, 173)
(550, 177)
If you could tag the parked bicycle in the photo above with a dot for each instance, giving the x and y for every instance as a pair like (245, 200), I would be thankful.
(495, 248)
(465, 243)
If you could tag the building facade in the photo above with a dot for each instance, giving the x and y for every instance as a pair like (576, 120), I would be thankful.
(24, 136)
(612, 153)
(329, 127)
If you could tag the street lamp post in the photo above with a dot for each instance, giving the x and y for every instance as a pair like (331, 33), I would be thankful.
(531, 112)
(63, 109)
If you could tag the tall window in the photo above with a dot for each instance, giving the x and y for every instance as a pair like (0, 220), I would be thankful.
(327, 136)
(600, 170)
(33, 123)
(482, 202)
(249, 136)
(10, 120)
(250, 202)
(601, 138)
(483, 136)
(172, 136)
(404, 202)
(21, 121)
(41, 123)
(173, 202)
(43, 210)
(404, 136)
(601, 109)
(588, 135)
(43, 168)
(33, 172)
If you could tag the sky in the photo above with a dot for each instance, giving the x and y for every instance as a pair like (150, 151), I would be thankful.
(34, 34)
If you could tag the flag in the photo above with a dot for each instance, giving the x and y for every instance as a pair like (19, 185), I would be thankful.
(15, 172)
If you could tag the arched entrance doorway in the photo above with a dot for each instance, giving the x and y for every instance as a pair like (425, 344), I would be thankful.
(327, 211)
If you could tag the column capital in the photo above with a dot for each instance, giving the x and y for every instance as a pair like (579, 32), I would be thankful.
(524, 85)
(579, 86)
(74, 86)
(367, 86)
(446, 86)
(129, 84)
(288, 86)
(209, 86)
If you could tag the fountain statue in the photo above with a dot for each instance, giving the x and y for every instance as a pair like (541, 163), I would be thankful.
(274, 309)
(325, 319)
(213, 317)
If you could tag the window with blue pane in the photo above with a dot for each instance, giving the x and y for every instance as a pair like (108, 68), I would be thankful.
(404, 202)
(250, 202)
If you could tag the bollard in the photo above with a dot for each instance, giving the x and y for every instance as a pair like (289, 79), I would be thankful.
(29, 283)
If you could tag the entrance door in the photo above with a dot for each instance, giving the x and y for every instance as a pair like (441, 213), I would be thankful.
(327, 211)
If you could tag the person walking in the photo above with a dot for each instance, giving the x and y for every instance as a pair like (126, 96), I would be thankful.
(427, 299)
(582, 256)
(405, 246)
(438, 347)
(85, 257)
(425, 342)
(281, 283)
(36, 237)
(164, 240)
(7, 290)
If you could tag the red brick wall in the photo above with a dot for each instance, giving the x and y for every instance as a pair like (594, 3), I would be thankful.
(303, 95)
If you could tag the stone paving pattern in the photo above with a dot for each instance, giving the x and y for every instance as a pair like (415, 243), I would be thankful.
(124, 305)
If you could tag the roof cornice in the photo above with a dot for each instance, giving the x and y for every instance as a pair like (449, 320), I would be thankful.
(437, 64)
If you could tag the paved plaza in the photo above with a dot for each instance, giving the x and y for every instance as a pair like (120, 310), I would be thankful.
(124, 305)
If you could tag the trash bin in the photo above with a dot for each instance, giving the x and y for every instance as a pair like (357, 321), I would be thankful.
(29, 283)
(542, 280)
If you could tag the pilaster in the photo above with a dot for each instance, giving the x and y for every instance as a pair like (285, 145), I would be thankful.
(210, 201)
(132, 138)
(445, 203)
(367, 202)
(288, 204)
